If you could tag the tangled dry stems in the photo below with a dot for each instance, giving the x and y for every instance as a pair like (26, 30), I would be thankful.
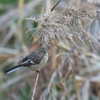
(71, 26)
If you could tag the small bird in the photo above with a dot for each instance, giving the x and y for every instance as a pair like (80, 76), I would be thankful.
(34, 61)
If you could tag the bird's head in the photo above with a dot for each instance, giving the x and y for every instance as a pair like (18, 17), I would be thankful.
(41, 51)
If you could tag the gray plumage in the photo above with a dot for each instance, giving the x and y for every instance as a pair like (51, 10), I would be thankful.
(34, 61)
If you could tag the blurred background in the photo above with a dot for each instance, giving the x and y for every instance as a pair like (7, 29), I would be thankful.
(68, 75)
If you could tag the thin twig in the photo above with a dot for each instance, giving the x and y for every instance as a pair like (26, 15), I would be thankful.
(55, 5)
(34, 89)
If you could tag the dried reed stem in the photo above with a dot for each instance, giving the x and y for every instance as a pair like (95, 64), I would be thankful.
(20, 10)
(34, 89)
(55, 5)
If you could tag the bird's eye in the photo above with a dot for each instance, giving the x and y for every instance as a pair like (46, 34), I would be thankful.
(41, 51)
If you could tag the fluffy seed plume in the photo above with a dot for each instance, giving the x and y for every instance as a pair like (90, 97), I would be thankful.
(71, 26)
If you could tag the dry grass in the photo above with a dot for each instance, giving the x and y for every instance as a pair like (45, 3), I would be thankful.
(71, 26)
(73, 68)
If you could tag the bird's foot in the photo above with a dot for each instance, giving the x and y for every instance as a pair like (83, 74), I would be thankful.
(38, 71)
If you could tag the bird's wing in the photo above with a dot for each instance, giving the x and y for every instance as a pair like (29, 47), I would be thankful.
(31, 59)
(35, 58)
(23, 59)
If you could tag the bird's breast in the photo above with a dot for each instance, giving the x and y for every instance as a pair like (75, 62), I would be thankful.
(41, 64)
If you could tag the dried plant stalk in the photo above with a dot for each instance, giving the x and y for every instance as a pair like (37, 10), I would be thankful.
(71, 25)
(34, 89)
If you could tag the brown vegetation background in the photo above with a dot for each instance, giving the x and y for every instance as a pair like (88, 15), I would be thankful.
(71, 34)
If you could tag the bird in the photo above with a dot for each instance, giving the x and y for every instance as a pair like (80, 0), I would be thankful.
(34, 61)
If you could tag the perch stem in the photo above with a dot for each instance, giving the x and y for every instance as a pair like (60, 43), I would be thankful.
(34, 89)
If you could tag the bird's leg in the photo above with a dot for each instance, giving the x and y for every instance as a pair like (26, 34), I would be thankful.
(38, 71)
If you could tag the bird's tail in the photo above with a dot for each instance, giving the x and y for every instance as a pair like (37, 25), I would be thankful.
(8, 71)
